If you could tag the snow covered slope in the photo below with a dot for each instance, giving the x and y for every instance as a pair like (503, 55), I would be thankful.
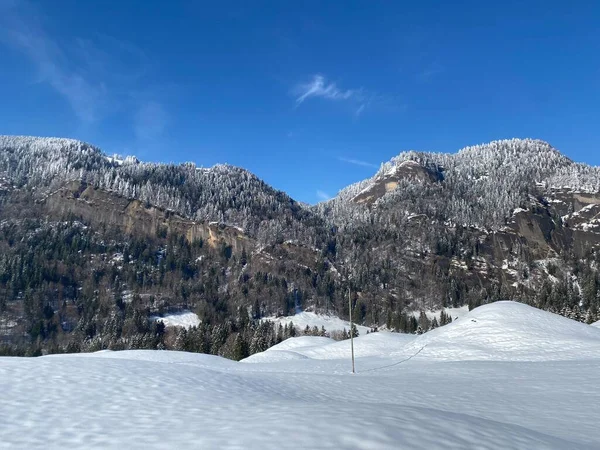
(509, 331)
(184, 319)
(596, 324)
(455, 313)
(426, 400)
(331, 323)
(310, 347)
(293, 348)
(498, 331)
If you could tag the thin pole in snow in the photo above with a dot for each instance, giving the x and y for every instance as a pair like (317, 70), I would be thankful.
(351, 330)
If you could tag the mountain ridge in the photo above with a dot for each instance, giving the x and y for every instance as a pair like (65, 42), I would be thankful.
(433, 230)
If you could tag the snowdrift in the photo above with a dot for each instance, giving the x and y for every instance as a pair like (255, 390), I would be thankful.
(292, 348)
(309, 347)
(505, 376)
(330, 323)
(508, 331)
(505, 331)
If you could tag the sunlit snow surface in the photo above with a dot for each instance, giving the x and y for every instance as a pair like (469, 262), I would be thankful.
(505, 376)
(330, 323)
(184, 319)
(455, 313)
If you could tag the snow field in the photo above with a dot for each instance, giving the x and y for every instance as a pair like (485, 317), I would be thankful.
(505, 376)
(331, 323)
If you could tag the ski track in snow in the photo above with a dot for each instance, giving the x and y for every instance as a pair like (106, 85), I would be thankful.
(495, 379)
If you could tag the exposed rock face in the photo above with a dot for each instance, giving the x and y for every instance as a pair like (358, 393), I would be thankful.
(388, 182)
(101, 208)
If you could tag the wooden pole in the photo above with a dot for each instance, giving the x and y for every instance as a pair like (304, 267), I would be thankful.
(351, 330)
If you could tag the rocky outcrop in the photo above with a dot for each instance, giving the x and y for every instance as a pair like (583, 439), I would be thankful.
(388, 181)
(100, 208)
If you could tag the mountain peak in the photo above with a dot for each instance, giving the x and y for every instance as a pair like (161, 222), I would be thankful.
(37, 142)
(389, 180)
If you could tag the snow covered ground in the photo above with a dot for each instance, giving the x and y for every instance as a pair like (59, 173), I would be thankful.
(455, 313)
(331, 323)
(184, 319)
(505, 376)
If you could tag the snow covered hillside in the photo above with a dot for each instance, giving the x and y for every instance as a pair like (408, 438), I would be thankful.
(330, 323)
(184, 319)
(512, 332)
(455, 313)
(504, 376)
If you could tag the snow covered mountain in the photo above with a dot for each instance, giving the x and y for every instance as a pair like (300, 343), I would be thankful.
(93, 246)
(492, 380)
(486, 220)
(223, 193)
(478, 186)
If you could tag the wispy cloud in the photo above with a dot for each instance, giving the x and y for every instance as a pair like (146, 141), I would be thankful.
(323, 196)
(358, 99)
(319, 87)
(21, 29)
(360, 109)
(358, 162)
(97, 75)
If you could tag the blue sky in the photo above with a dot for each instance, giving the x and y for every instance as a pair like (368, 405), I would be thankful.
(310, 96)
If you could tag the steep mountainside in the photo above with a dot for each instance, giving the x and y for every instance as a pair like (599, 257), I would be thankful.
(492, 221)
(92, 245)
(223, 193)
